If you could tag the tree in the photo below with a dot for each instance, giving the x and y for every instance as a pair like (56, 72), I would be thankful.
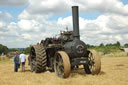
(3, 49)
(126, 45)
(110, 44)
(27, 50)
(101, 45)
(117, 44)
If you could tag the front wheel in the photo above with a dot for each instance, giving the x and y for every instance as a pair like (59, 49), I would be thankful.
(62, 64)
(94, 65)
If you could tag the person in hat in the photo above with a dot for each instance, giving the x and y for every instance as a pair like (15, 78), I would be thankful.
(16, 62)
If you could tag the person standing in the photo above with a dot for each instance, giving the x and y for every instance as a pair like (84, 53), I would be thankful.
(16, 62)
(22, 61)
(2, 54)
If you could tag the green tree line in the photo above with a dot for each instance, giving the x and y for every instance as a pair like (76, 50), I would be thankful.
(108, 48)
(3, 49)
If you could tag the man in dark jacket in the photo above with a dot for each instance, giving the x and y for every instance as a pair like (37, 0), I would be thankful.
(16, 62)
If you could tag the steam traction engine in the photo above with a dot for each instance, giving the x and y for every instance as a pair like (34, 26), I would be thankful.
(62, 54)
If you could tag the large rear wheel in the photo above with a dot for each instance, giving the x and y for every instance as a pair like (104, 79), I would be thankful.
(94, 65)
(62, 64)
(38, 59)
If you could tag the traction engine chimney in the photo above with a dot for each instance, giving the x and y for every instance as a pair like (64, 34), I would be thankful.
(75, 17)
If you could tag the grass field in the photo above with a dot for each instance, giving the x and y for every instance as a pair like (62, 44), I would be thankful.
(114, 72)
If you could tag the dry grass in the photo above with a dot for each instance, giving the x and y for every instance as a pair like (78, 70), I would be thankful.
(3, 58)
(114, 72)
(116, 54)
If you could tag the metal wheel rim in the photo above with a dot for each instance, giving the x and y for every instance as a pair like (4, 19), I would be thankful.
(59, 65)
(33, 59)
(94, 62)
(62, 64)
(91, 59)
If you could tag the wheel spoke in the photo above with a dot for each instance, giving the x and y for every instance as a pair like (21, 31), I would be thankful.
(62, 69)
(33, 51)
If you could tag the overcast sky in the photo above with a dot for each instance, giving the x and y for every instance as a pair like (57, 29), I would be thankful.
(25, 22)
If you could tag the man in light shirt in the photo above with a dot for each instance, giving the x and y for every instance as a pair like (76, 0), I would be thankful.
(22, 60)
